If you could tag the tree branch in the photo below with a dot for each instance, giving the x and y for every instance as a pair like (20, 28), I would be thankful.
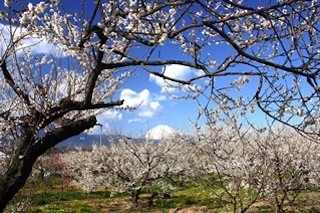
(56, 136)
(294, 70)
(8, 78)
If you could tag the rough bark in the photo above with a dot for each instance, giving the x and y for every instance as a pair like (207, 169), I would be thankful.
(135, 196)
(21, 166)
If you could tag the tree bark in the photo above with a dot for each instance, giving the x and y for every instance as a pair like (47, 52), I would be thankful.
(21, 165)
(135, 197)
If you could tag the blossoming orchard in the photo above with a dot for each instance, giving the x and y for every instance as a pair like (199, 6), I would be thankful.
(63, 65)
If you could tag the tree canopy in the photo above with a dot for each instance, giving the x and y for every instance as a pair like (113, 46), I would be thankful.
(273, 45)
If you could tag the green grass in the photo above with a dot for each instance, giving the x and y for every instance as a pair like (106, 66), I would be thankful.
(50, 197)
(74, 200)
(65, 207)
(71, 201)
(190, 194)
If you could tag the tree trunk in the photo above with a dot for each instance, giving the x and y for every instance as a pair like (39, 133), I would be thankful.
(135, 196)
(21, 166)
(14, 179)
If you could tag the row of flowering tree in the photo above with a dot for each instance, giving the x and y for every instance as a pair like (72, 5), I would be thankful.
(126, 166)
(47, 97)
(253, 163)
(241, 166)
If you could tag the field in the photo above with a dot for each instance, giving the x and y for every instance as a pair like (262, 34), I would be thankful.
(49, 195)
(249, 174)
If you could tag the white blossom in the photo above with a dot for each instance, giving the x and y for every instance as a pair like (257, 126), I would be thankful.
(7, 3)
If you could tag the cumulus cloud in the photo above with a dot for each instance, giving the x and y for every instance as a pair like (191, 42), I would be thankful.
(103, 122)
(173, 71)
(40, 46)
(36, 45)
(109, 115)
(146, 104)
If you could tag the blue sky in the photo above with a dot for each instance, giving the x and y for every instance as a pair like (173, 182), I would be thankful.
(156, 105)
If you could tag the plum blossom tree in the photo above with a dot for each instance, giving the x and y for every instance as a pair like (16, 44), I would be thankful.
(126, 166)
(42, 105)
(46, 100)
(252, 164)
(242, 166)
(273, 45)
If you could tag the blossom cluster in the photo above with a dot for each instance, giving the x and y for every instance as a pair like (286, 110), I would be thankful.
(262, 163)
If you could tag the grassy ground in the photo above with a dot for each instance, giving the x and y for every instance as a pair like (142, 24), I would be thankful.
(44, 198)
(74, 200)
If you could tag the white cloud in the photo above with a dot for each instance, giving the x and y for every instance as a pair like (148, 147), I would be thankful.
(109, 115)
(146, 104)
(97, 129)
(103, 122)
(36, 45)
(135, 120)
(175, 71)
(40, 46)
(161, 98)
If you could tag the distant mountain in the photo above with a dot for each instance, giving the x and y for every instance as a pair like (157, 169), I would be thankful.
(161, 132)
(86, 141)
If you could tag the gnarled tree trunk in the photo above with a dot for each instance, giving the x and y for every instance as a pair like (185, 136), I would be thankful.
(20, 166)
